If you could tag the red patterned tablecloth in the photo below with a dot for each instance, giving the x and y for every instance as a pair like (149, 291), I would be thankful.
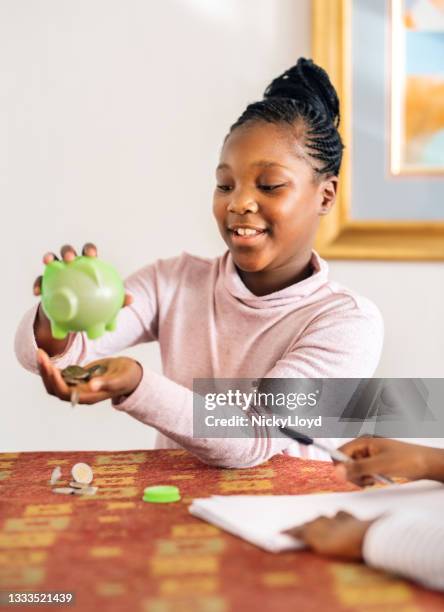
(116, 552)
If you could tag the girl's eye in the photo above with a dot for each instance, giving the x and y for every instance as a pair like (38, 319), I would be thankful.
(224, 187)
(270, 187)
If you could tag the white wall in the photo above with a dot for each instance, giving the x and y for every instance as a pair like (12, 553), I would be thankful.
(111, 118)
(411, 299)
(112, 115)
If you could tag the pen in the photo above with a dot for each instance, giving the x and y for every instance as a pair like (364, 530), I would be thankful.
(334, 453)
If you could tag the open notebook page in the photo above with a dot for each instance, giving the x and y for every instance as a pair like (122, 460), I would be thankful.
(259, 519)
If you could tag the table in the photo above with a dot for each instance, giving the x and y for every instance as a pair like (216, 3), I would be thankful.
(117, 552)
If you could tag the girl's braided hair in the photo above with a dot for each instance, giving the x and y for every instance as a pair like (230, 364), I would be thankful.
(304, 96)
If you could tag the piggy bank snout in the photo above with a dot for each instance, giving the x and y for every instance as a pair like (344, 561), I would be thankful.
(63, 304)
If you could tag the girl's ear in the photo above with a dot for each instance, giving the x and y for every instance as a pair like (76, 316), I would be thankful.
(327, 190)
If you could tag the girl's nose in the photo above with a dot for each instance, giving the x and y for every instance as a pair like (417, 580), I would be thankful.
(241, 206)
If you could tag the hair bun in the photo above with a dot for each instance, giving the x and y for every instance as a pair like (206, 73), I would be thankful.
(307, 82)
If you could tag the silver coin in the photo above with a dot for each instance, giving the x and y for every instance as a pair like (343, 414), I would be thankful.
(82, 473)
(96, 370)
(55, 475)
(75, 372)
(86, 491)
(75, 396)
(72, 382)
(78, 485)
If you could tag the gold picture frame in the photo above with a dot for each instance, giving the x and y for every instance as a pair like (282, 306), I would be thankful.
(340, 236)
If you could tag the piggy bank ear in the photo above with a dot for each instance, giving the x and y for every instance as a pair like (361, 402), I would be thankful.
(89, 269)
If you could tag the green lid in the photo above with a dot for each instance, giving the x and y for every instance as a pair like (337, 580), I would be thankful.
(161, 494)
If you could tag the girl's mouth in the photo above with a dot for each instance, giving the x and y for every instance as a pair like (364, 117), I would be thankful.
(246, 236)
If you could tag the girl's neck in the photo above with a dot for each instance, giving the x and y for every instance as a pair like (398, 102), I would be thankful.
(268, 281)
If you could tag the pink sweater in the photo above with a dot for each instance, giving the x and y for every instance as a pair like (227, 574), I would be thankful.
(209, 325)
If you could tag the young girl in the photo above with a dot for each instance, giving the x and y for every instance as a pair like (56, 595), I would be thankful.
(265, 308)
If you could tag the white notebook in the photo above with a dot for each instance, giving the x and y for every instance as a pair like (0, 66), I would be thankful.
(259, 519)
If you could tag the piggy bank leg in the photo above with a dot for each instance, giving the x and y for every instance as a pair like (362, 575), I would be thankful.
(58, 332)
(112, 325)
(95, 331)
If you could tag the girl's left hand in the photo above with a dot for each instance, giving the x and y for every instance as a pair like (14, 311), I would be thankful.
(340, 536)
(122, 378)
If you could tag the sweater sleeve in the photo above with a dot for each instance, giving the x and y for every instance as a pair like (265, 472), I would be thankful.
(410, 544)
(135, 324)
(342, 346)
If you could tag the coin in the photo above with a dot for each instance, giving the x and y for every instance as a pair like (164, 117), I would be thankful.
(72, 375)
(97, 370)
(75, 372)
(74, 397)
(64, 490)
(78, 485)
(82, 473)
(85, 491)
(55, 476)
(72, 381)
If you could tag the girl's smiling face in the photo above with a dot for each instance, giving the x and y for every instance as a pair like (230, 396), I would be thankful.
(266, 182)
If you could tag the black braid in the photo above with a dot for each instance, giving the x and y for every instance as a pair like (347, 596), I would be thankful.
(304, 94)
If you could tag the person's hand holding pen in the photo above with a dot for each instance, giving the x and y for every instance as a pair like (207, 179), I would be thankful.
(372, 456)
(335, 453)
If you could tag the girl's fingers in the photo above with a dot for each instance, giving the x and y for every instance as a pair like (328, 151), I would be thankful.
(89, 250)
(343, 516)
(68, 252)
(106, 383)
(86, 395)
(93, 398)
(128, 299)
(102, 362)
(55, 385)
(96, 384)
(49, 257)
(37, 286)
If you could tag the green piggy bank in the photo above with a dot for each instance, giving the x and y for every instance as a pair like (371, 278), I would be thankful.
(85, 294)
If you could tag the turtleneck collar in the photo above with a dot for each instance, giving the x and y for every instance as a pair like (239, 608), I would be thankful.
(235, 286)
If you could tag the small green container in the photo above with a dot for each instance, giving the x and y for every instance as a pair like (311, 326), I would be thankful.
(161, 494)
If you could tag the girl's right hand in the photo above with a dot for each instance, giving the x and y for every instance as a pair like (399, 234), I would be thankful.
(391, 458)
(42, 328)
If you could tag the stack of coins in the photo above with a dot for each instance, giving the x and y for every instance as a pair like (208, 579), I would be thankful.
(82, 477)
(75, 374)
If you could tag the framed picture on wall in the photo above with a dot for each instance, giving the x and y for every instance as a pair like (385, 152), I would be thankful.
(417, 87)
(386, 59)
